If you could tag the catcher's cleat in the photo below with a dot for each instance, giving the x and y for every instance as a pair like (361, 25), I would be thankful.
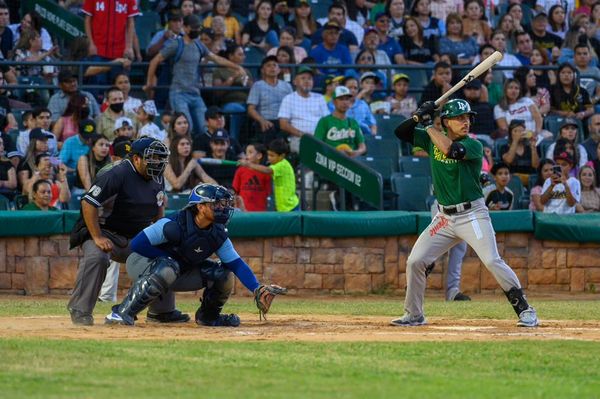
(174, 316)
(223, 320)
(461, 297)
(115, 318)
(409, 321)
(528, 318)
(80, 318)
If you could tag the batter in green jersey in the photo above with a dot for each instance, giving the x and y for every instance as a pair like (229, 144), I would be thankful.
(462, 215)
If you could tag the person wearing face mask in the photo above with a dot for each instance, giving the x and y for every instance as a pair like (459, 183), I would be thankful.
(105, 124)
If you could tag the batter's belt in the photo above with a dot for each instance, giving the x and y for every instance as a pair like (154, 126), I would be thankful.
(458, 208)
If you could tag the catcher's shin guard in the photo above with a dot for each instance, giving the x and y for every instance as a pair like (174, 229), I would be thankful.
(214, 298)
(147, 288)
(517, 299)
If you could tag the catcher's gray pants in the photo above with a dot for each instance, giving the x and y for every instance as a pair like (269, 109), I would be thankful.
(92, 272)
(108, 292)
(189, 280)
(474, 226)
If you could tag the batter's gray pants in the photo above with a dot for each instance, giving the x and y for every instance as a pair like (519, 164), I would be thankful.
(189, 280)
(473, 226)
(92, 272)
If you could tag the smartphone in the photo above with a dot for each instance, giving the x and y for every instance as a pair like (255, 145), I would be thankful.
(557, 170)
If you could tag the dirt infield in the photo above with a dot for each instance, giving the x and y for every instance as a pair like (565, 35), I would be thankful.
(321, 328)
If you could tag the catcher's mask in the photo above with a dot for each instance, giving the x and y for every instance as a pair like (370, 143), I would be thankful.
(219, 197)
(154, 153)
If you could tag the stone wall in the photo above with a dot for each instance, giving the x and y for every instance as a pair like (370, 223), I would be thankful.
(45, 265)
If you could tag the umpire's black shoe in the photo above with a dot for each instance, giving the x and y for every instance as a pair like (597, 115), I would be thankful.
(170, 317)
(80, 318)
(461, 297)
(223, 320)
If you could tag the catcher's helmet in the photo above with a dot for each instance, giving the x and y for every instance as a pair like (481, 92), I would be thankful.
(456, 107)
(219, 196)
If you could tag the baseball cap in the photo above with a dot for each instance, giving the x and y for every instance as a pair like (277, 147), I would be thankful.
(338, 79)
(269, 58)
(301, 3)
(474, 84)
(569, 122)
(174, 15)
(541, 14)
(122, 148)
(565, 156)
(329, 79)
(39, 134)
(87, 127)
(370, 29)
(193, 21)
(213, 112)
(399, 76)
(332, 25)
(305, 69)
(13, 154)
(220, 135)
(368, 75)
(149, 107)
(123, 122)
(66, 75)
(381, 14)
(341, 91)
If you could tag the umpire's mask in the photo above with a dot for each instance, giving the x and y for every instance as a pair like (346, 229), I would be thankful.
(155, 154)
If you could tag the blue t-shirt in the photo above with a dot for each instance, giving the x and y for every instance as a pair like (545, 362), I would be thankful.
(338, 56)
(391, 48)
(72, 150)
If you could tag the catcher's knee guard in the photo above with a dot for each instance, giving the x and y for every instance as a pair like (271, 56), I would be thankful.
(156, 282)
(517, 299)
(214, 298)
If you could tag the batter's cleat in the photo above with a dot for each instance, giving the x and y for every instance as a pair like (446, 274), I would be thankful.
(461, 297)
(409, 321)
(80, 318)
(174, 316)
(224, 320)
(528, 318)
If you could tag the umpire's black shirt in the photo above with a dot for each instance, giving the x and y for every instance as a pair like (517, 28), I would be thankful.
(128, 203)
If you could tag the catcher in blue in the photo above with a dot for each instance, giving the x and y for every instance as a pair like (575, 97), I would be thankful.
(172, 255)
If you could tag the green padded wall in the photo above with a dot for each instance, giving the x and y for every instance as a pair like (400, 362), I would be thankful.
(578, 227)
(358, 224)
(30, 223)
(265, 224)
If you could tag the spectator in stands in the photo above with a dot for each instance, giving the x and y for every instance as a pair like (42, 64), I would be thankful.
(183, 171)
(561, 193)
(286, 39)
(184, 94)
(337, 16)
(44, 170)
(483, 125)
(595, 21)
(359, 110)
(285, 56)
(331, 52)
(105, 123)
(124, 128)
(520, 153)
(305, 24)
(90, 164)
(544, 78)
(544, 171)
(568, 98)
(220, 41)
(529, 87)
(31, 21)
(498, 41)
(67, 125)
(173, 30)
(569, 131)
(514, 105)
(251, 185)
(40, 118)
(29, 48)
(5, 109)
(498, 197)
(557, 21)
(401, 103)
(219, 149)
(365, 60)
(432, 27)
(222, 8)
(262, 31)
(187, 7)
(516, 12)
(331, 82)
(524, 47)
(371, 42)
(395, 10)
(179, 126)
(475, 23)
(369, 82)
(41, 197)
(233, 101)
(110, 30)
(391, 47)
(589, 76)
(507, 26)
(145, 116)
(77, 146)
(593, 139)
(440, 9)
(456, 42)
(590, 193)
(301, 110)
(28, 122)
(439, 84)
(418, 49)
(8, 174)
(595, 164)
(6, 34)
(540, 35)
(67, 82)
(577, 34)
(264, 100)
(215, 121)
(121, 81)
(585, 7)
(282, 173)
(282, 12)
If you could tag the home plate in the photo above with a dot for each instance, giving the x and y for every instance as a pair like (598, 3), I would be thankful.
(463, 328)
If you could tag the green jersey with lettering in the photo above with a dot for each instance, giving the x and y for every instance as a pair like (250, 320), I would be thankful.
(334, 131)
(454, 181)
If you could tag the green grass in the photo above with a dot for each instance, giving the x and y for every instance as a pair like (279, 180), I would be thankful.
(58, 368)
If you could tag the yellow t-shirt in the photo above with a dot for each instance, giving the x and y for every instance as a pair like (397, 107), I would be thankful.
(232, 26)
(284, 186)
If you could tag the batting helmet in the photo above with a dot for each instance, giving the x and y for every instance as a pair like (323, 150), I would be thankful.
(219, 196)
(456, 107)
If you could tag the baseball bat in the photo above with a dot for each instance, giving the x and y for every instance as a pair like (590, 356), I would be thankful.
(214, 161)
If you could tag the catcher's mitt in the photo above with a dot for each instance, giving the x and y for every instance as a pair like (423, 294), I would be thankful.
(264, 295)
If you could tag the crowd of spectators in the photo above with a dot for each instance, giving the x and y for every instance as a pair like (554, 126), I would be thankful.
(217, 107)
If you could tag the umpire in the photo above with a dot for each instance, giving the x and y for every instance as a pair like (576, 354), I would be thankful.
(120, 203)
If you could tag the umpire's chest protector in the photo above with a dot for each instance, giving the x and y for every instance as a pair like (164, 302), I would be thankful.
(188, 244)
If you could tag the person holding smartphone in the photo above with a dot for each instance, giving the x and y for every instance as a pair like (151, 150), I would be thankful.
(561, 193)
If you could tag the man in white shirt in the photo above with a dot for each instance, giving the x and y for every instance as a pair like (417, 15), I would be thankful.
(560, 192)
(301, 110)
